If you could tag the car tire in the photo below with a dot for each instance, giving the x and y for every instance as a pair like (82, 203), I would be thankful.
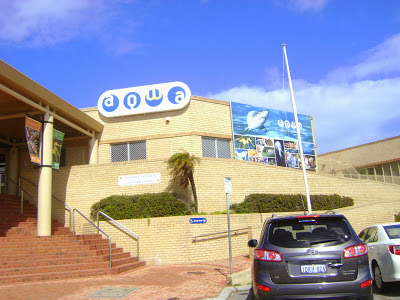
(251, 295)
(379, 284)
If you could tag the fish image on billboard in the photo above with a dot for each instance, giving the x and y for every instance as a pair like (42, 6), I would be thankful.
(256, 120)
(279, 153)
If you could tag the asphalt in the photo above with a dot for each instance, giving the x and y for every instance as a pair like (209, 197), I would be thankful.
(206, 280)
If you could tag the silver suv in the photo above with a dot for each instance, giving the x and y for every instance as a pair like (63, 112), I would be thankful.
(310, 257)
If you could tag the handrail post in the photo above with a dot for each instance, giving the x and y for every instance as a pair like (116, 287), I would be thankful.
(22, 201)
(98, 223)
(73, 220)
(109, 242)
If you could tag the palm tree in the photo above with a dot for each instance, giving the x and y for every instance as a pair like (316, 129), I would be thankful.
(182, 166)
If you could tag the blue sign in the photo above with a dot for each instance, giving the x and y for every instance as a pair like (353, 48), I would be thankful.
(197, 220)
(144, 99)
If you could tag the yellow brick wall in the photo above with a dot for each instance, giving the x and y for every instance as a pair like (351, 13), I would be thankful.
(169, 240)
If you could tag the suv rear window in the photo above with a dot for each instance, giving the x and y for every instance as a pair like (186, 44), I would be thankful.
(304, 232)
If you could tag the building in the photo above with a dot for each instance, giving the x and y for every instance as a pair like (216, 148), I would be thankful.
(126, 154)
(378, 160)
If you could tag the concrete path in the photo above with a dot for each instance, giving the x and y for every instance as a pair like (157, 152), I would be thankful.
(166, 282)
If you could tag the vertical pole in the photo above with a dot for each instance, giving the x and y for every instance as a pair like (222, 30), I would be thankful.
(229, 234)
(45, 178)
(303, 166)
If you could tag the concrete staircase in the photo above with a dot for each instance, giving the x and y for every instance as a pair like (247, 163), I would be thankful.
(24, 257)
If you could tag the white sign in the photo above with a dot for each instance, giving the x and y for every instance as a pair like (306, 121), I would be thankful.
(228, 185)
(144, 99)
(150, 178)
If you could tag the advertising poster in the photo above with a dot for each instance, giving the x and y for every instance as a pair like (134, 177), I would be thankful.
(58, 138)
(33, 129)
(269, 136)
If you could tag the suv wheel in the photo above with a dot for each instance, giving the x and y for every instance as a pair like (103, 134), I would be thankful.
(378, 281)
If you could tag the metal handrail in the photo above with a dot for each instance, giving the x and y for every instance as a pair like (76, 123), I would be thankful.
(121, 227)
(67, 207)
(98, 229)
(235, 232)
(21, 191)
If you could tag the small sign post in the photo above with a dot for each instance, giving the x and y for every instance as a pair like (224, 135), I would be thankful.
(228, 190)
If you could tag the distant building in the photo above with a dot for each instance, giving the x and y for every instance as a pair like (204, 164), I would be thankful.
(378, 160)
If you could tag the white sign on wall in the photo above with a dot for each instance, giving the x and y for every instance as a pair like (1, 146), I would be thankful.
(144, 99)
(137, 179)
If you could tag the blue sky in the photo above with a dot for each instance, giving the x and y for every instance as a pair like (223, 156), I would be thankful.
(344, 56)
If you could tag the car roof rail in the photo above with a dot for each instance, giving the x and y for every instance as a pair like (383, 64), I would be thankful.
(333, 212)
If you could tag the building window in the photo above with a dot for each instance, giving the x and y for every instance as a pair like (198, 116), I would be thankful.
(213, 147)
(128, 151)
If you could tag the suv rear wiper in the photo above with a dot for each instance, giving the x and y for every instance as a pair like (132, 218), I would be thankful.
(325, 241)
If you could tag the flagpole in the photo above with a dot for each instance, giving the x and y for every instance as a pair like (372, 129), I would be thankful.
(303, 166)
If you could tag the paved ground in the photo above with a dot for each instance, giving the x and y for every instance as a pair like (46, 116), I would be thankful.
(166, 282)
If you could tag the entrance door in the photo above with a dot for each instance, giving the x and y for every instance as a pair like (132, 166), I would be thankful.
(2, 173)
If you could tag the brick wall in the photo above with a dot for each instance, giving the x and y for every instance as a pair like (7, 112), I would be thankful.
(169, 240)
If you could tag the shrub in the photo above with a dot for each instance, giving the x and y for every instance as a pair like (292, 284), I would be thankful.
(265, 203)
(397, 217)
(139, 206)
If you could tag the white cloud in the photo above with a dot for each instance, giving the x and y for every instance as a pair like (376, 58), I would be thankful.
(381, 60)
(346, 113)
(307, 5)
(39, 23)
(43, 22)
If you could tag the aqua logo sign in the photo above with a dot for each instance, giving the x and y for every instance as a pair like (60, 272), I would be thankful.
(144, 99)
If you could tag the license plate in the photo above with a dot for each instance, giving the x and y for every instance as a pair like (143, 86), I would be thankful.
(313, 269)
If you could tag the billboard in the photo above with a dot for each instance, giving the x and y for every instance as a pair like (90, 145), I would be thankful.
(269, 136)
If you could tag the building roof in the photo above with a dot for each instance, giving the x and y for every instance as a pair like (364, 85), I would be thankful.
(370, 154)
(20, 95)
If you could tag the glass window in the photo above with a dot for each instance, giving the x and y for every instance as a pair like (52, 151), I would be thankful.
(214, 147)
(128, 151)
(303, 233)
(393, 231)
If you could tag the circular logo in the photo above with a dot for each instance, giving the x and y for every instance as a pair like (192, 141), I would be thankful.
(280, 123)
(154, 97)
(131, 100)
(176, 95)
(110, 103)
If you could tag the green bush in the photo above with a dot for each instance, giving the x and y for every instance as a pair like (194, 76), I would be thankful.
(265, 203)
(397, 217)
(139, 206)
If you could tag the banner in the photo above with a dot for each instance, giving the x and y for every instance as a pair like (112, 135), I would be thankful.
(269, 136)
(33, 130)
(58, 138)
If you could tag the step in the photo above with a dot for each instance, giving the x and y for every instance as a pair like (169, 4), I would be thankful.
(52, 276)
(26, 262)
(52, 269)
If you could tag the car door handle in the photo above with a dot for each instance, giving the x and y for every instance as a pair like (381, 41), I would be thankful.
(335, 265)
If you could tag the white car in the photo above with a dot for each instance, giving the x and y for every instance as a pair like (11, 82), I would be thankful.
(383, 242)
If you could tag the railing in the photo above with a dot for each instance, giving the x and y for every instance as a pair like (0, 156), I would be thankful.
(98, 229)
(120, 226)
(218, 235)
(21, 191)
(66, 206)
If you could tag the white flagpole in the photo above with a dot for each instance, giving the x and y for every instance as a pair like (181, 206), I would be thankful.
(303, 166)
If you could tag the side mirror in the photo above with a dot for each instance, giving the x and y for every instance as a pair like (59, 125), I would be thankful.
(252, 243)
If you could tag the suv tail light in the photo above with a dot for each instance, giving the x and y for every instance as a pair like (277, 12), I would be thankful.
(354, 251)
(267, 255)
(394, 249)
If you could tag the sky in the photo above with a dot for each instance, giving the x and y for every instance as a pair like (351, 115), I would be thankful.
(344, 56)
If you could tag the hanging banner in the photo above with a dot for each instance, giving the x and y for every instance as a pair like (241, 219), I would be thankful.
(58, 138)
(33, 129)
